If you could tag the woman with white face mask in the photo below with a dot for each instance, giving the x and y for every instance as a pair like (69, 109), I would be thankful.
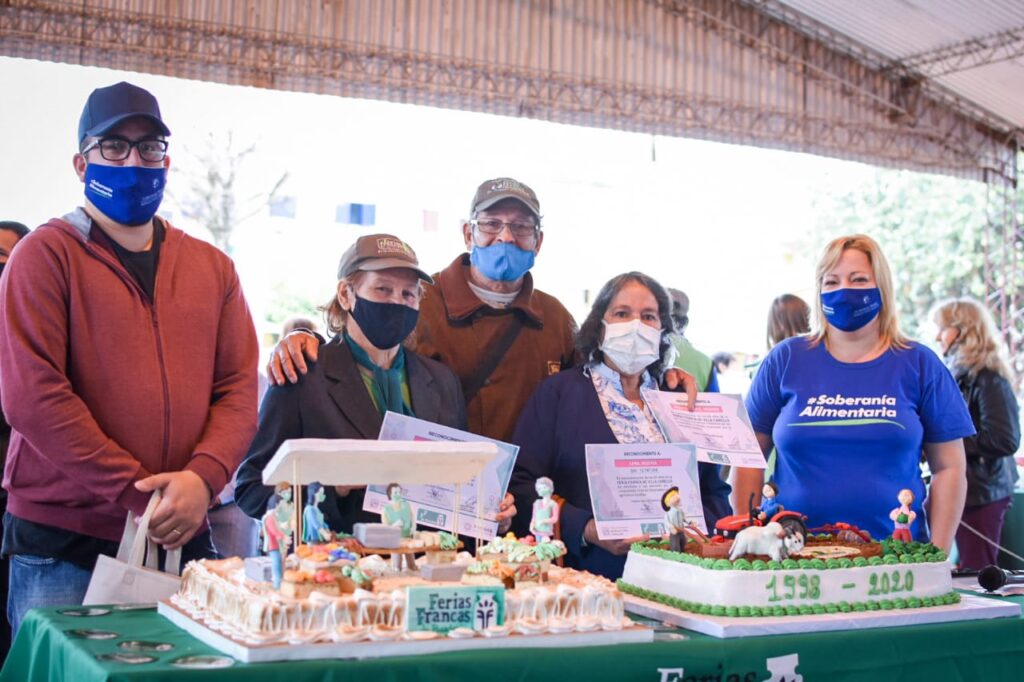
(976, 354)
(622, 342)
(851, 406)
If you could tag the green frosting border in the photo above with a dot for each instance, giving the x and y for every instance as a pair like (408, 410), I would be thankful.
(791, 610)
(893, 552)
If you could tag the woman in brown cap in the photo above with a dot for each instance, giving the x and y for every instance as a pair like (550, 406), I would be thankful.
(362, 372)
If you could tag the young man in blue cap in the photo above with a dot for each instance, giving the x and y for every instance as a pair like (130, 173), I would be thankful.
(98, 426)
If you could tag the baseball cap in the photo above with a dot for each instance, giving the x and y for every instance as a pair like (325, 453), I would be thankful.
(106, 107)
(491, 192)
(379, 252)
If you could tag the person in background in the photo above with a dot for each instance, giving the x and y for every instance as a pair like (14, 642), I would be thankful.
(722, 361)
(976, 354)
(623, 339)
(851, 406)
(96, 432)
(10, 233)
(234, 532)
(731, 375)
(788, 316)
(687, 357)
(295, 323)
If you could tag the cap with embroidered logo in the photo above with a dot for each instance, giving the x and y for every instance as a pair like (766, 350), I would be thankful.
(491, 192)
(379, 252)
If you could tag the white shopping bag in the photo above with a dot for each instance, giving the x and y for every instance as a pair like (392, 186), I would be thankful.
(134, 576)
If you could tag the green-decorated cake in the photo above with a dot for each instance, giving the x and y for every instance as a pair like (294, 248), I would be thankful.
(827, 575)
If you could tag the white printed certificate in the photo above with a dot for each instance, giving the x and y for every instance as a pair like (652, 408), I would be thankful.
(627, 483)
(718, 426)
(434, 505)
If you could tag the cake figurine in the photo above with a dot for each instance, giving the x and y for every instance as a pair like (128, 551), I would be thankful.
(545, 511)
(314, 528)
(277, 528)
(772, 540)
(397, 513)
(675, 519)
(769, 502)
(902, 516)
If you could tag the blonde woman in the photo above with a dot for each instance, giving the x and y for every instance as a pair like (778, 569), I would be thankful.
(851, 406)
(975, 353)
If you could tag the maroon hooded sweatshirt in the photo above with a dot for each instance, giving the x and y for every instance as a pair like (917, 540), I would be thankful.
(103, 387)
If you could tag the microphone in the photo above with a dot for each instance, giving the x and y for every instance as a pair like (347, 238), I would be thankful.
(993, 577)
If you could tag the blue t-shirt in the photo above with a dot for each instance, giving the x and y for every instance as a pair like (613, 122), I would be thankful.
(849, 436)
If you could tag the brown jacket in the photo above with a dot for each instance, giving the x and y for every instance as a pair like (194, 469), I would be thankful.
(457, 328)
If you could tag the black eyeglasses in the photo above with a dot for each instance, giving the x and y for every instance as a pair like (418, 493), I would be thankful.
(119, 149)
(493, 226)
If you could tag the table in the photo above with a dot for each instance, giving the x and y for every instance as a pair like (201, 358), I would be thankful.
(990, 650)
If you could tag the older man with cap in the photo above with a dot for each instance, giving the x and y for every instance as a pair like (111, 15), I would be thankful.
(361, 373)
(96, 429)
(483, 317)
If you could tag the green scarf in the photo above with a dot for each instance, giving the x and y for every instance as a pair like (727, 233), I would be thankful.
(387, 383)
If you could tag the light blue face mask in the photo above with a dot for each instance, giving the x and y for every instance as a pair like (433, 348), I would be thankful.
(503, 262)
(851, 309)
(129, 195)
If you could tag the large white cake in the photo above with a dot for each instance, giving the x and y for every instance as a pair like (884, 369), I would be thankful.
(898, 576)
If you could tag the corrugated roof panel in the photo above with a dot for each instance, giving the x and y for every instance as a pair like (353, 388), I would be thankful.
(999, 87)
(910, 28)
(900, 28)
(715, 69)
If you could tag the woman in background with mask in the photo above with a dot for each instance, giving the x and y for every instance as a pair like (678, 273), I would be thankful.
(361, 373)
(850, 407)
(623, 341)
(976, 355)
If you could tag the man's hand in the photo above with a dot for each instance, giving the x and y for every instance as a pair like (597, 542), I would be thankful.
(506, 510)
(182, 509)
(288, 359)
(616, 547)
(675, 377)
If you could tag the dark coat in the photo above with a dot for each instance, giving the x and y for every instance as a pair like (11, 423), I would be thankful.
(331, 401)
(561, 418)
(991, 470)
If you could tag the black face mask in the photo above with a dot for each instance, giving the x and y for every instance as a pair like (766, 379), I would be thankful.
(385, 324)
(2, 265)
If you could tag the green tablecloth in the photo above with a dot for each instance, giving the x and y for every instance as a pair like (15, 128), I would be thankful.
(974, 650)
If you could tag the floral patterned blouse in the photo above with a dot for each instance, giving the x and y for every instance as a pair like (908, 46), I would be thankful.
(629, 422)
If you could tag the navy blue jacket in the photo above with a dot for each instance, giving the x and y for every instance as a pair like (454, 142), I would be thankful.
(563, 415)
(331, 401)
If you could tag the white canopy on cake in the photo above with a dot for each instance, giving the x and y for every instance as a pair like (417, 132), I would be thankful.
(341, 461)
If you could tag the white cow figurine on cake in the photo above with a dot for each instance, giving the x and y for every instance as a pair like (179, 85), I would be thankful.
(771, 539)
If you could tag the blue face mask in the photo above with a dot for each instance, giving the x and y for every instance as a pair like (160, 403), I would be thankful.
(385, 324)
(503, 262)
(129, 195)
(851, 309)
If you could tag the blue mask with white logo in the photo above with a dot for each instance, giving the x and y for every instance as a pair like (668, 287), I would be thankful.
(851, 309)
(129, 195)
(502, 262)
